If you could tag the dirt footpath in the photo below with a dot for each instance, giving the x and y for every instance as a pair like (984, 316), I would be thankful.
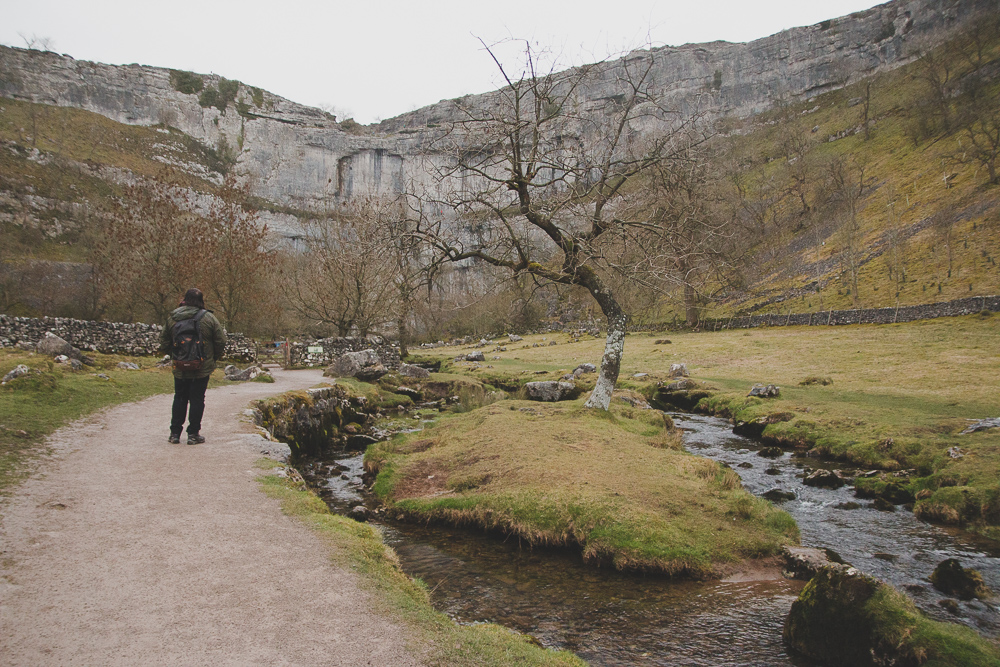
(130, 551)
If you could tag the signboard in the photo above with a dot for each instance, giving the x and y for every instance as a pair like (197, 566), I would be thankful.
(315, 349)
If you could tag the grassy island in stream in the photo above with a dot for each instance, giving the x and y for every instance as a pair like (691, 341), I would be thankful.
(893, 397)
(615, 484)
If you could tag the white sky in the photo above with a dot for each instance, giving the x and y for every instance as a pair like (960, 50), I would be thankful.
(379, 58)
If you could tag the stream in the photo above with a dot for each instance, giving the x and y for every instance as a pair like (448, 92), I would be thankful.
(612, 618)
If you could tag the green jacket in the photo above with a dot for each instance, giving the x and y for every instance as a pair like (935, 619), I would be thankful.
(212, 335)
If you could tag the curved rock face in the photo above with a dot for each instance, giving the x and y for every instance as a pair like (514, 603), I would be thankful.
(299, 156)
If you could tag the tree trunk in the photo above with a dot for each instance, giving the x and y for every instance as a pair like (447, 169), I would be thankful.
(690, 305)
(614, 347)
(403, 313)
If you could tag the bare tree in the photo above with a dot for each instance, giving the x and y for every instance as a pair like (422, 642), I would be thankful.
(542, 181)
(344, 279)
(149, 251)
(847, 185)
(240, 258)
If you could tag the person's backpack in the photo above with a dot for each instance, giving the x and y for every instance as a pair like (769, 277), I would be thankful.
(188, 350)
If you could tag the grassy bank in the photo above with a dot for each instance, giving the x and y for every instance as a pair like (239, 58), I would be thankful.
(896, 396)
(614, 484)
(435, 638)
(35, 405)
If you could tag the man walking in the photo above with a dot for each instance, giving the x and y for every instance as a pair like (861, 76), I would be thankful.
(191, 375)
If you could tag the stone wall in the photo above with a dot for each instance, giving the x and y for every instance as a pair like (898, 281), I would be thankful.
(927, 311)
(106, 337)
(300, 356)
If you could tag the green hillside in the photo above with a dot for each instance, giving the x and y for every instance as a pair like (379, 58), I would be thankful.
(927, 216)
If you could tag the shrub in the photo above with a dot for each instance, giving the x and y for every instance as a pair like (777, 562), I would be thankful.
(188, 83)
(221, 97)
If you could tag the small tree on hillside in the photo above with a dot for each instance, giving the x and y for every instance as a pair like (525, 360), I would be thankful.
(240, 259)
(543, 182)
(847, 186)
(150, 250)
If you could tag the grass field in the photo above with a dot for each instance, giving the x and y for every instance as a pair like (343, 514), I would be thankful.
(898, 396)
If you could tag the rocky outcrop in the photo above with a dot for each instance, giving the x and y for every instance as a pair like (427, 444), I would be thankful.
(551, 391)
(313, 420)
(364, 365)
(299, 155)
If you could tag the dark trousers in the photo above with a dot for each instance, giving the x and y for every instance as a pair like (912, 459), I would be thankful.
(188, 393)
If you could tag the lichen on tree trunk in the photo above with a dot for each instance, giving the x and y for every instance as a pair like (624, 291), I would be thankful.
(611, 363)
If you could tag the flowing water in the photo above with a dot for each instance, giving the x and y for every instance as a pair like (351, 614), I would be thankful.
(610, 618)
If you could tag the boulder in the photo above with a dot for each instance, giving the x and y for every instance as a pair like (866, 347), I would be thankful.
(52, 346)
(832, 623)
(678, 371)
(771, 452)
(236, 375)
(550, 390)
(805, 562)
(371, 373)
(680, 385)
(765, 391)
(982, 425)
(514, 338)
(350, 364)
(951, 578)
(411, 371)
(128, 366)
(778, 495)
(475, 356)
(584, 368)
(414, 394)
(827, 479)
(18, 371)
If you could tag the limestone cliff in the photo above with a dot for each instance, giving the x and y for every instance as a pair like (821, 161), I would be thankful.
(299, 156)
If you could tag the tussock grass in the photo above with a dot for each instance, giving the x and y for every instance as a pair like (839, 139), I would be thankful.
(433, 636)
(563, 475)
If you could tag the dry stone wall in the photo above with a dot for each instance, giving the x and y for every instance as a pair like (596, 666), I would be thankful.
(106, 337)
(927, 311)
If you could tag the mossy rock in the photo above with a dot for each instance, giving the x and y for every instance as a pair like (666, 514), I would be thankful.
(831, 621)
(846, 618)
(951, 578)
(895, 491)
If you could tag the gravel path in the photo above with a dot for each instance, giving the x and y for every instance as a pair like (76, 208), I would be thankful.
(131, 551)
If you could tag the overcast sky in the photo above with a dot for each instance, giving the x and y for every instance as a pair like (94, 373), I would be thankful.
(378, 58)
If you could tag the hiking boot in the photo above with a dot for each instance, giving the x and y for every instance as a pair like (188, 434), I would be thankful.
(195, 439)
(174, 439)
